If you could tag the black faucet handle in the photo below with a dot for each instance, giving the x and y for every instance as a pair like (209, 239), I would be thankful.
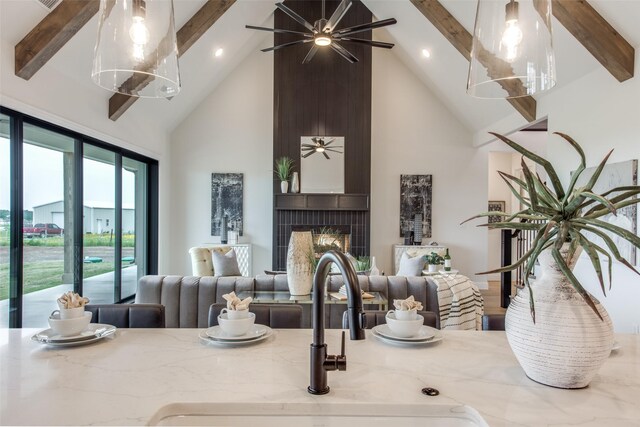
(341, 360)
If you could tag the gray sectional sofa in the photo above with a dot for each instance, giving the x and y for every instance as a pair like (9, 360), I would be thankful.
(187, 298)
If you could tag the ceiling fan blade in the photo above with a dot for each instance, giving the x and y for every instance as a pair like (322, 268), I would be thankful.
(344, 53)
(333, 151)
(280, 46)
(310, 54)
(329, 141)
(337, 16)
(368, 42)
(308, 146)
(365, 27)
(277, 30)
(299, 19)
(308, 154)
(326, 155)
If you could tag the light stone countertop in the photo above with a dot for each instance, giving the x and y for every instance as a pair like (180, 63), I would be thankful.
(125, 379)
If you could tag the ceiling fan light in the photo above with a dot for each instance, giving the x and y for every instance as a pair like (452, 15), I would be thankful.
(512, 52)
(320, 150)
(136, 49)
(322, 40)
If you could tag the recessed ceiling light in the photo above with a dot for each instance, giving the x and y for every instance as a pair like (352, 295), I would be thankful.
(426, 53)
(218, 52)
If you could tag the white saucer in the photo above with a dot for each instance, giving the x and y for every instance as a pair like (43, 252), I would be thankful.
(448, 273)
(401, 341)
(224, 343)
(255, 332)
(93, 333)
(425, 333)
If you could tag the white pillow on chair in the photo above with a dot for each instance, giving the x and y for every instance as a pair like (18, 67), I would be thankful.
(410, 267)
(225, 264)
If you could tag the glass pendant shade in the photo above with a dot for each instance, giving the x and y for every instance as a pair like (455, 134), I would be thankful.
(136, 51)
(512, 53)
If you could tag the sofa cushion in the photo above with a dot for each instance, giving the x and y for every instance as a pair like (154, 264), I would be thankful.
(225, 264)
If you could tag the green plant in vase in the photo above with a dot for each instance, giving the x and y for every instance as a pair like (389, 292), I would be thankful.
(283, 170)
(433, 260)
(564, 222)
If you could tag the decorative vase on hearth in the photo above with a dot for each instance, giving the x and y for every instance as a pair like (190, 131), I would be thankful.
(300, 268)
(295, 183)
(284, 186)
(568, 343)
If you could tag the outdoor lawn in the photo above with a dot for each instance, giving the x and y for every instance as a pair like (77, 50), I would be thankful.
(44, 260)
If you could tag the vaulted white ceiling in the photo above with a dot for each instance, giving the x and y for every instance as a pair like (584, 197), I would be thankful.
(445, 72)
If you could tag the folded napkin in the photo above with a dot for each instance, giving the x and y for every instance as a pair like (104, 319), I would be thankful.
(407, 304)
(235, 303)
(71, 300)
(343, 291)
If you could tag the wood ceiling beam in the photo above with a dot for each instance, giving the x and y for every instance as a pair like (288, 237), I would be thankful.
(186, 37)
(53, 32)
(462, 40)
(597, 36)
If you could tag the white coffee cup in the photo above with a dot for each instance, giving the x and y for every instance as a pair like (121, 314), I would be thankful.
(404, 328)
(68, 327)
(235, 314)
(70, 313)
(406, 314)
(235, 327)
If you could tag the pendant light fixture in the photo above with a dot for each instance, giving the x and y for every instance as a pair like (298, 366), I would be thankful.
(512, 53)
(136, 52)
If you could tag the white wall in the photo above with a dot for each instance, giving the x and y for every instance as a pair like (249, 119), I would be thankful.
(413, 133)
(230, 131)
(600, 114)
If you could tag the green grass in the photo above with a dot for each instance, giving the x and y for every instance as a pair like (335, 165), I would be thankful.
(45, 274)
(90, 240)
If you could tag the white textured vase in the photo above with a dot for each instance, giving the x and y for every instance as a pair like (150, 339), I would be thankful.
(284, 186)
(299, 266)
(568, 342)
(295, 183)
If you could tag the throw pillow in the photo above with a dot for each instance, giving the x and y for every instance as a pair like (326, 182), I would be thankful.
(225, 264)
(411, 266)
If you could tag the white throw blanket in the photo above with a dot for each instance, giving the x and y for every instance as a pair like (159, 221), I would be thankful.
(461, 303)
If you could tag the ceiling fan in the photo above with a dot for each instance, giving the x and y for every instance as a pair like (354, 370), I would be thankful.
(320, 146)
(324, 33)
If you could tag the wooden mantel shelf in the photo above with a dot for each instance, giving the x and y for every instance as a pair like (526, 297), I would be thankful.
(322, 202)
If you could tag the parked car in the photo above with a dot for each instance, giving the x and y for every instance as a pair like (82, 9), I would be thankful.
(42, 230)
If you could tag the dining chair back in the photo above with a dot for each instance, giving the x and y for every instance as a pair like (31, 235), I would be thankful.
(128, 315)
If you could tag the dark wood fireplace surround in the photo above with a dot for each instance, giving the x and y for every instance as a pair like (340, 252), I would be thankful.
(327, 97)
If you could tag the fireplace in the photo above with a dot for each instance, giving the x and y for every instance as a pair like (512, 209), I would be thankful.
(328, 237)
(345, 230)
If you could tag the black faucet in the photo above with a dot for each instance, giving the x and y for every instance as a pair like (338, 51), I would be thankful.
(320, 361)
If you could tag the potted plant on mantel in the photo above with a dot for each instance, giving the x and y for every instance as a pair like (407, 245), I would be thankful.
(433, 261)
(558, 331)
(284, 166)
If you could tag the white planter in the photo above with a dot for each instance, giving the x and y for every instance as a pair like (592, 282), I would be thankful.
(432, 268)
(568, 342)
(299, 266)
(284, 186)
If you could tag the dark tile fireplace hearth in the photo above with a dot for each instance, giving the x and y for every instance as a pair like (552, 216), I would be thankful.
(353, 225)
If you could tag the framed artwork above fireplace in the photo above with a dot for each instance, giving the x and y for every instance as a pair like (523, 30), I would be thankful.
(322, 164)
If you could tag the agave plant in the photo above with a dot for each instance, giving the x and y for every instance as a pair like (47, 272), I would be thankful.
(558, 216)
(284, 167)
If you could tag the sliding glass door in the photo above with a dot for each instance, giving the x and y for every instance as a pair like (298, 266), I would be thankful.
(48, 200)
(5, 218)
(76, 214)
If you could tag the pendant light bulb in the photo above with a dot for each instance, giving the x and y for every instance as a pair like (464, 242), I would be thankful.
(512, 35)
(138, 31)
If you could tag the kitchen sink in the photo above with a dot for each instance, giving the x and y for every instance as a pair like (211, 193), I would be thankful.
(316, 415)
